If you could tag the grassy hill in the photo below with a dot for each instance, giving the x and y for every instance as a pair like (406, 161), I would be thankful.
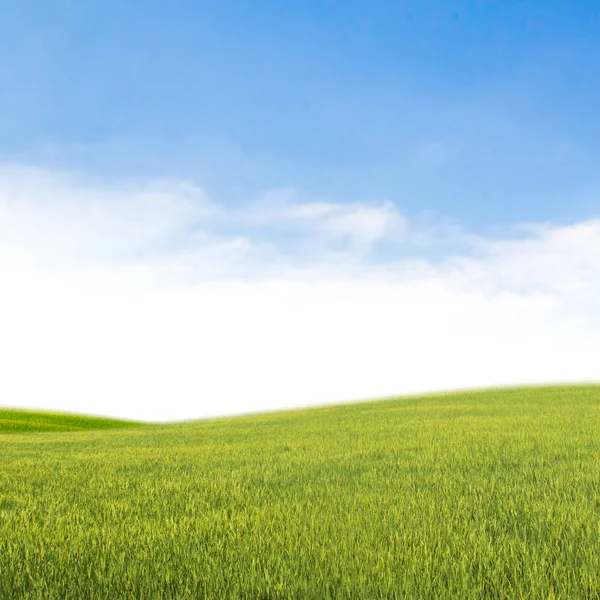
(26, 421)
(488, 494)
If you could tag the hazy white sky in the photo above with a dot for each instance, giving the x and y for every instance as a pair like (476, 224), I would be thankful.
(152, 300)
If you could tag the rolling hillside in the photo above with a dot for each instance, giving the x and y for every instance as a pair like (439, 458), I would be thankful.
(25, 421)
(487, 494)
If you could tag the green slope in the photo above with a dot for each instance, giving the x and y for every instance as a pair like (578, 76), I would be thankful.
(25, 421)
(489, 494)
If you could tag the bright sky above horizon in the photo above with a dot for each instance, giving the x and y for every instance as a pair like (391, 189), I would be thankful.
(213, 208)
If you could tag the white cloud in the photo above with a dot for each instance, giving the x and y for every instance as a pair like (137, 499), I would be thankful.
(52, 216)
(363, 225)
(153, 302)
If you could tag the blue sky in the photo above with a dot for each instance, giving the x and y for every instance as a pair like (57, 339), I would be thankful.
(482, 111)
(212, 208)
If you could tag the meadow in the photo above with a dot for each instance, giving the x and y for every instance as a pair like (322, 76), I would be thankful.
(23, 421)
(481, 494)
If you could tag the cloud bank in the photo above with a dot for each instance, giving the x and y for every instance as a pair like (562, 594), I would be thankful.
(154, 301)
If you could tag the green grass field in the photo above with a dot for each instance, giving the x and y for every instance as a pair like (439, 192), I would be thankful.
(487, 494)
(26, 421)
